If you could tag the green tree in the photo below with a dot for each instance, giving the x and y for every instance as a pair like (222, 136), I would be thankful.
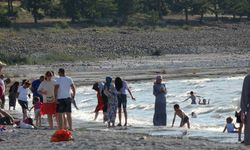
(36, 7)
(124, 9)
(73, 8)
(159, 6)
(200, 7)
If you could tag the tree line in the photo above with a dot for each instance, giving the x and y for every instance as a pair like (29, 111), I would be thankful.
(119, 11)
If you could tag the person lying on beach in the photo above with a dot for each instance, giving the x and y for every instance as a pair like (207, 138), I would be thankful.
(230, 126)
(192, 97)
(5, 118)
(204, 101)
(238, 120)
(182, 115)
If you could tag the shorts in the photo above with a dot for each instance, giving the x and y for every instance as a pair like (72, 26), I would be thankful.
(48, 108)
(122, 100)
(64, 105)
(185, 120)
(23, 104)
(37, 112)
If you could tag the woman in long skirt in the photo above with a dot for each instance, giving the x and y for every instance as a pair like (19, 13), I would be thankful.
(13, 95)
(160, 91)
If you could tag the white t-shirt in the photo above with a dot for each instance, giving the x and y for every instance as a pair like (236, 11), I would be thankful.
(64, 90)
(49, 87)
(23, 93)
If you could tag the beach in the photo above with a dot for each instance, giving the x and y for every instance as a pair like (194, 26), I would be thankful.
(84, 139)
(206, 52)
(145, 69)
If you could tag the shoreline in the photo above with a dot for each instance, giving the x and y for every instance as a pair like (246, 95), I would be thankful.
(141, 69)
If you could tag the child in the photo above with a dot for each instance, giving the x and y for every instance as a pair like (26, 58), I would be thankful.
(238, 120)
(204, 101)
(23, 93)
(182, 115)
(37, 107)
(192, 97)
(230, 126)
(98, 87)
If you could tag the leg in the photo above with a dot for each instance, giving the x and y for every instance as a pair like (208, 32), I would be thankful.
(39, 120)
(120, 116)
(188, 124)
(125, 116)
(50, 121)
(239, 132)
(96, 115)
(60, 120)
(69, 120)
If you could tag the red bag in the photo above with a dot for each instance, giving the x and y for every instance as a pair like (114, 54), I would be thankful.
(61, 135)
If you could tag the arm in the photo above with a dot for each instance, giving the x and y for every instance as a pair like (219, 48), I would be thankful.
(225, 129)
(173, 119)
(186, 99)
(7, 115)
(73, 88)
(31, 108)
(131, 94)
(56, 91)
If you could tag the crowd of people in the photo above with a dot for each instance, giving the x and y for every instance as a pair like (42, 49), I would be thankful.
(53, 95)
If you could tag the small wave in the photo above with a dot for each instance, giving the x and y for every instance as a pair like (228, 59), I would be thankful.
(224, 110)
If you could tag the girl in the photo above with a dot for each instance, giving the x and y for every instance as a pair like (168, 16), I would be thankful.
(12, 95)
(37, 109)
(23, 93)
(230, 126)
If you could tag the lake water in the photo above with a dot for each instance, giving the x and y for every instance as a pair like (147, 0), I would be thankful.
(224, 94)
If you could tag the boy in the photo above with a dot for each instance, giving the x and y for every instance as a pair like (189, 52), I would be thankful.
(182, 115)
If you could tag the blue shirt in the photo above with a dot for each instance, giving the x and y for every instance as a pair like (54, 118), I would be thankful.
(34, 87)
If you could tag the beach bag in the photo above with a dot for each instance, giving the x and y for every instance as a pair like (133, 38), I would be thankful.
(61, 135)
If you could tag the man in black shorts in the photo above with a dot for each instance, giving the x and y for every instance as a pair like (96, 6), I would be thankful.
(63, 94)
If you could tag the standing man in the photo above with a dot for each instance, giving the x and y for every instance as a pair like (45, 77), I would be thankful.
(63, 87)
(34, 86)
(245, 108)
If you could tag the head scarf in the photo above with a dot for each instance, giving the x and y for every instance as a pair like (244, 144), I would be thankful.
(108, 81)
(158, 78)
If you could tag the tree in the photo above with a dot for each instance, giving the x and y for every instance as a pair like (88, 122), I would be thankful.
(10, 7)
(124, 9)
(36, 7)
(200, 7)
(72, 8)
(182, 5)
(159, 6)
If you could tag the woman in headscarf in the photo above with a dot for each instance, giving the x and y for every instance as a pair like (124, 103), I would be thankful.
(111, 93)
(160, 91)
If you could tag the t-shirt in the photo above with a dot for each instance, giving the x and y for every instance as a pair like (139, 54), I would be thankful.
(38, 105)
(124, 88)
(64, 87)
(49, 87)
(230, 127)
(35, 85)
(23, 93)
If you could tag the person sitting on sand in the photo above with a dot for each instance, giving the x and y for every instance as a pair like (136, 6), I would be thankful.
(182, 115)
(204, 101)
(230, 126)
(238, 120)
(192, 97)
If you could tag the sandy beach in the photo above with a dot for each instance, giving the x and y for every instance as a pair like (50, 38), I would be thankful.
(145, 68)
(86, 139)
(212, 51)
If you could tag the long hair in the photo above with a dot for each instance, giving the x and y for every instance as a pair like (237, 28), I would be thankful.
(118, 83)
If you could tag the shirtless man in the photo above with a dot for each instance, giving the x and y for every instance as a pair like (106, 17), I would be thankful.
(182, 115)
